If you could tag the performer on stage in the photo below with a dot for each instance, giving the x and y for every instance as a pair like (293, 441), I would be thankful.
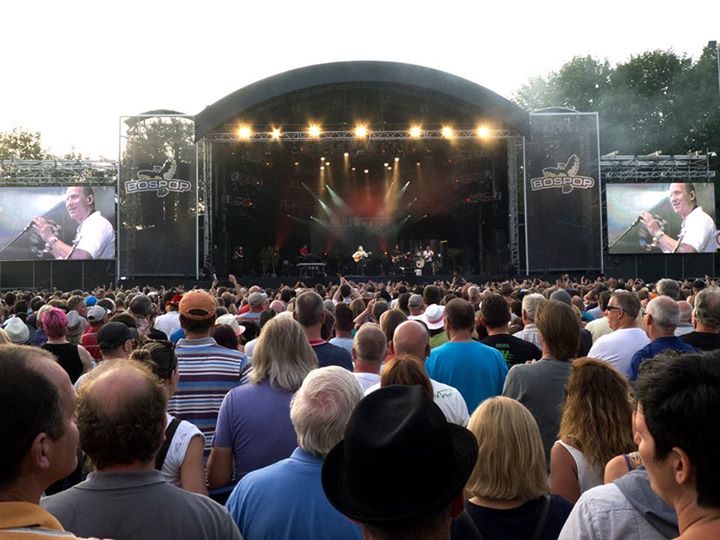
(428, 257)
(359, 257)
(304, 252)
(238, 258)
(95, 238)
(697, 231)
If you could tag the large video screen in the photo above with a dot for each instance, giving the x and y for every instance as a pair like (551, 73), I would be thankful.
(661, 218)
(58, 222)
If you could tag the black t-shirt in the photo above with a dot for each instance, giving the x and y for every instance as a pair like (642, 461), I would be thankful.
(515, 523)
(704, 341)
(513, 349)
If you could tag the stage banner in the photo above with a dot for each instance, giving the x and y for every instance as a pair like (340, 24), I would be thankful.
(563, 220)
(157, 197)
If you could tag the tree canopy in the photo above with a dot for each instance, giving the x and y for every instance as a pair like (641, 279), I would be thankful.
(657, 100)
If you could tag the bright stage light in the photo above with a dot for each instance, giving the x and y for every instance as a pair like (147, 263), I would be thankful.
(353, 168)
(415, 132)
(275, 134)
(244, 132)
(397, 159)
(385, 164)
(447, 132)
(361, 131)
(314, 131)
(483, 132)
(322, 159)
(367, 171)
(322, 168)
(297, 163)
(346, 154)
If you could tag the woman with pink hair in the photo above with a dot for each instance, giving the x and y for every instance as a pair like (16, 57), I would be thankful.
(74, 359)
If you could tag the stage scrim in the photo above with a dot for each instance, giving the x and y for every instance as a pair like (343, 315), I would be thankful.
(563, 223)
(158, 196)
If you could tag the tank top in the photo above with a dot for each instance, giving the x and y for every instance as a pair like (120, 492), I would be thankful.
(68, 357)
(588, 477)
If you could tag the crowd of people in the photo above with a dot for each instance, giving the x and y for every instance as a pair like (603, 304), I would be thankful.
(582, 408)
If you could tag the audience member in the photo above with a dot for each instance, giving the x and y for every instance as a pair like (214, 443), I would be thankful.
(121, 419)
(496, 316)
(401, 467)
(310, 313)
(509, 488)
(74, 359)
(368, 353)
(286, 500)
(530, 305)
(706, 320)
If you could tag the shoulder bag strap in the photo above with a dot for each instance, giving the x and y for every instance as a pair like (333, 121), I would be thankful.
(169, 434)
(543, 517)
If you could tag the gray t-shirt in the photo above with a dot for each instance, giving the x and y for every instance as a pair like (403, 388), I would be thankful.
(138, 506)
(541, 387)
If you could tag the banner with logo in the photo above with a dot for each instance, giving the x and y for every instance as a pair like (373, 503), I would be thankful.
(157, 196)
(563, 220)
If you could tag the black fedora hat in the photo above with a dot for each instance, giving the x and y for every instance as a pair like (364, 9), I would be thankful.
(400, 458)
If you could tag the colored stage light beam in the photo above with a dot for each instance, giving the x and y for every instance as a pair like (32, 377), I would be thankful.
(404, 220)
(342, 205)
(324, 224)
(326, 208)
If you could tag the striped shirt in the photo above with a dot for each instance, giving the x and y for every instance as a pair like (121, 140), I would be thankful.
(208, 371)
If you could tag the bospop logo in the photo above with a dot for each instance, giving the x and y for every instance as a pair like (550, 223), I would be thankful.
(564, 177)
(159, 179)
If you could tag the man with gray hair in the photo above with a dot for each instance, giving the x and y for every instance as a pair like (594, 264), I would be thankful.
(685, 326)
(668, 287)
(368, 352)
(662, 316)
(618, 347)
(310, 313)
(530, 305)
(286, 499)
(705, 320)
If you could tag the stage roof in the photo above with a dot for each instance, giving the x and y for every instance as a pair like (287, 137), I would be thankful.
(386, 95)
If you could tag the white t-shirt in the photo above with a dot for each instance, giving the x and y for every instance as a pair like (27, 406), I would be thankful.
(168, 323)
(618, 348)
(448, 398)
(96, 236)
(178, 448)
(698, 230)
(367, 380)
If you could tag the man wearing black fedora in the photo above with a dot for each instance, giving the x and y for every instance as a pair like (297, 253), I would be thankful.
(401, 468)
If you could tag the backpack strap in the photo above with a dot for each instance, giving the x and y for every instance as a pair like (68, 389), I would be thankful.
(169, 434)
(543, 517)
(468, 523)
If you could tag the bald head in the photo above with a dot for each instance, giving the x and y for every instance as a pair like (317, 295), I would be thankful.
(411, 338)
(370, 344)
(122, 398)
(685, 311)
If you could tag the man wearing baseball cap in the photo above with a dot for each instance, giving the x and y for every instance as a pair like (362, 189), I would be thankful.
(169, 322)
(207, 370)
(401, 468)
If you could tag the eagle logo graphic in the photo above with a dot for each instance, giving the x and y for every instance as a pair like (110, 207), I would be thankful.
(564, 176)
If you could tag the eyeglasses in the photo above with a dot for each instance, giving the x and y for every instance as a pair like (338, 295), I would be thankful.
(613, 308)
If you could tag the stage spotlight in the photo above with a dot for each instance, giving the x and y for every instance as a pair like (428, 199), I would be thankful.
(397, 159)
(322, 159)
(297, 163)
(322, 168)
(417, 164)
(244, 132)
(415, 132)
(385, 164)
(275, 134)
(483, 132)
(447, 132)
(367, 171)
(314, 131)
(361, 131)
(353, 168)
(346, 154)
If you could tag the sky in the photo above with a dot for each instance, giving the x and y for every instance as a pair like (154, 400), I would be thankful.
(70, 69)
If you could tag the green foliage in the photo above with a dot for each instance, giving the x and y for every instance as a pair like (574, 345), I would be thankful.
(657, 100)
(21, 144)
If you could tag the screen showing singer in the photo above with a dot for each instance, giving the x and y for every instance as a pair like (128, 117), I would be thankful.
(661, 218)
(74, 222)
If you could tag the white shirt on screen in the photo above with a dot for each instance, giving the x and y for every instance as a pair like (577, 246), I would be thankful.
(698, 231)
(96, 236)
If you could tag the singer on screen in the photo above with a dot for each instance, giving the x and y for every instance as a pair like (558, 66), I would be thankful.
(697, 231)
(95, 238)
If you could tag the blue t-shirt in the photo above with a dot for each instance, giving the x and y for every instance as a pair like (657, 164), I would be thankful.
(332, 355)
(285, 501)
(476, 370)
(654, 348)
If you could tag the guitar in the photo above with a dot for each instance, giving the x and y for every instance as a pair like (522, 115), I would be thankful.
(360, 255)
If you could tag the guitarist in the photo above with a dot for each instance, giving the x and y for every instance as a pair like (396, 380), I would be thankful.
(359, 257)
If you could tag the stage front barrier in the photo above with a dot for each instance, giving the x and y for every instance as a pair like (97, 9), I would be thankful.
(158, 196)
(563, 217)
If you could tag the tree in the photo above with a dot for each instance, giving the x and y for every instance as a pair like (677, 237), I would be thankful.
(656, 100)
(21, 144)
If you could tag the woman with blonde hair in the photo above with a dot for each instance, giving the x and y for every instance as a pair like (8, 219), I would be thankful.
(509, 486)
(596, 426)
(180, 458)
(253, 426)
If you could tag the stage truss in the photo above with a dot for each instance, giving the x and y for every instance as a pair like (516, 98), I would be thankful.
(347, 135)
(16, 172)
(654, 167)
